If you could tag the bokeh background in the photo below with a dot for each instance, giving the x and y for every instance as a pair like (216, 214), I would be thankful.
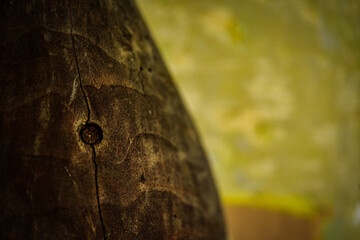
(273, 88)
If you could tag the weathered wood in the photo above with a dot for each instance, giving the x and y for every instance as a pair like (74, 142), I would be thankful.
(68, 67)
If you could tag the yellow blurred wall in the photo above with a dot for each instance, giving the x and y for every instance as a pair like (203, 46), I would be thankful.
(273, 87)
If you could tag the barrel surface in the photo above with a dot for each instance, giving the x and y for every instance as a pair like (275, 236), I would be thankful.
(70, 65)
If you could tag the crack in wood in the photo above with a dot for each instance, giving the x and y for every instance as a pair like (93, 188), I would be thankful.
(88, 119)
(77, 65)
(97, 190)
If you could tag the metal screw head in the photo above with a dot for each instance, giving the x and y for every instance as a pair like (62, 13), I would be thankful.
(91, 134)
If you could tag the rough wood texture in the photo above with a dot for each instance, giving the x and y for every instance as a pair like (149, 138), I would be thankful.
(65, 64)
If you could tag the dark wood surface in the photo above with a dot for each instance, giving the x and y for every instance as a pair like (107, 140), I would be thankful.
(67, 66)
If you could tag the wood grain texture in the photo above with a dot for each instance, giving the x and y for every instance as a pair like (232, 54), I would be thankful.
(65, 64)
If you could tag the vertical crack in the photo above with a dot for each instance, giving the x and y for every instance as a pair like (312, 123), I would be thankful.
(88, 126)
(77, 64)
(97, 190)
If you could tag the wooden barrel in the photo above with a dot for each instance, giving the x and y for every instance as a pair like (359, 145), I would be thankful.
(95, 141)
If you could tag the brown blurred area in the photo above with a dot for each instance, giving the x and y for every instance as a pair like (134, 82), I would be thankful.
(248, 223)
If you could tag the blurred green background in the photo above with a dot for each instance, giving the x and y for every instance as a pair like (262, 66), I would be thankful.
(273, 88)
